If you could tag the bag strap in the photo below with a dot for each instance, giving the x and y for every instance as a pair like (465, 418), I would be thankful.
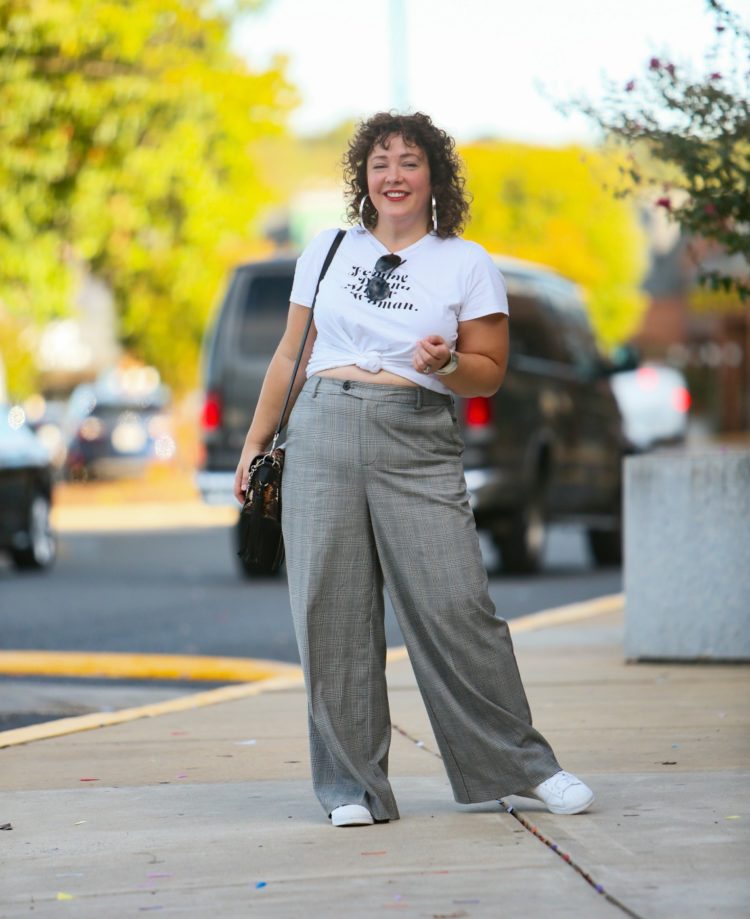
(329, 258)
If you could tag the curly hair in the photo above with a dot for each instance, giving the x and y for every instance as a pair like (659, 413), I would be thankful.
(446, 178)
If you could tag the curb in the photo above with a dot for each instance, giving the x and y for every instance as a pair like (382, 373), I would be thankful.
(140, 666)
(152, 515)
(549, 618)
(62, 726)
(277, 676)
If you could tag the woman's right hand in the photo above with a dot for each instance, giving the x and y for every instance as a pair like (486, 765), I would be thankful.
(249, 452)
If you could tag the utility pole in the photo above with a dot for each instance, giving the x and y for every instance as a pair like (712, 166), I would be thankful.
(399, 55)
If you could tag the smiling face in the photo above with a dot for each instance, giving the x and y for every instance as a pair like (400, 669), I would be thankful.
(398, 182)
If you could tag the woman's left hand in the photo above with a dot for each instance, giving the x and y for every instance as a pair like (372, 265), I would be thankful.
(431, 354)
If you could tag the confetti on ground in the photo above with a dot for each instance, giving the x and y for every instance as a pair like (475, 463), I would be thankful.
(79, 822)
(383, 852)
(88, 780)
(182, 775)
(64, 896)
(734, 817)
(158, 874)
(420, 743)
(260, 884)
(179, 733)
(244, 743)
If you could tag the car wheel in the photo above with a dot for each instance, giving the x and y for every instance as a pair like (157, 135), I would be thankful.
(522, 545)
(606, 546)
(41, 550)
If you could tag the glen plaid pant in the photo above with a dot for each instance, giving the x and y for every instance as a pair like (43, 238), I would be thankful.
(374, 492)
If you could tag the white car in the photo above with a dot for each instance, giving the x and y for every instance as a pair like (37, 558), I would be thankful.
(654, 402)
(26, 485)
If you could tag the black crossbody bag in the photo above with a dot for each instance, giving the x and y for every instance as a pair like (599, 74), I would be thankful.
(261, 544)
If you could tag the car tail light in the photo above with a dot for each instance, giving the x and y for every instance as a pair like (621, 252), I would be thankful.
(478, 412)
(212, 411)
(681, 399)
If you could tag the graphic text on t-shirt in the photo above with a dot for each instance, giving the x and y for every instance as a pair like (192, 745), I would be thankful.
(397, 281)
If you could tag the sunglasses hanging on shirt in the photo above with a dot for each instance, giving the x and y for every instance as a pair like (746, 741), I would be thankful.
(377, 287)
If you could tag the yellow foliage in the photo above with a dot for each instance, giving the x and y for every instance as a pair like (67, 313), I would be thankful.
(125, 139)
(556, 207)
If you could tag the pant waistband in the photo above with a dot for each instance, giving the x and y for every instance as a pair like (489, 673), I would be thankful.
(377, 392)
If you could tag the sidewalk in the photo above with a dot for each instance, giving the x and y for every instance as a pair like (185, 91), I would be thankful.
(209, 811)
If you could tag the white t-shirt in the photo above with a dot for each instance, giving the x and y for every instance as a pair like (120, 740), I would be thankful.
(441, 282)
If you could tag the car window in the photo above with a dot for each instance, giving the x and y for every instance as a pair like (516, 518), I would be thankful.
(263, 311)
(532, 331)
(576, 339)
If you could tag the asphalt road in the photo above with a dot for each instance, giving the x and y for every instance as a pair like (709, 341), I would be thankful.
(177, 592)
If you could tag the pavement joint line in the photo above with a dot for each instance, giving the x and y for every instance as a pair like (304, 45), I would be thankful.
(536, 833)
(268, 675)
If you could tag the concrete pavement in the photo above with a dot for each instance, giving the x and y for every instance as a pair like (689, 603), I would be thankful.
(208, 810)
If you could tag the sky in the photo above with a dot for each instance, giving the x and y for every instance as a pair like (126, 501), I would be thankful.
(479, 68)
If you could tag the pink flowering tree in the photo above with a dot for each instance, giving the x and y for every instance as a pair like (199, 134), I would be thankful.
(688, 143)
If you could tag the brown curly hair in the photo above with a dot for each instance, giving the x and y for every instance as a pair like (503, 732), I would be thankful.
(446, 178)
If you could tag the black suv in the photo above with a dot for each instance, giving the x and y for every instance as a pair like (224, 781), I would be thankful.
(548, 446)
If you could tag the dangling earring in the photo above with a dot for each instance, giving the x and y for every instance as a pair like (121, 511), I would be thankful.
(434, 215)
(362, 212)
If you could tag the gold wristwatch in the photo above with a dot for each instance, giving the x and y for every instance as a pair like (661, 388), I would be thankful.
(450, 366)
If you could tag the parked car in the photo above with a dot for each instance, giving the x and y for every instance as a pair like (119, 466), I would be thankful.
(26, 485)
(46, 418)
(117, 428)
(548, 446)
(654, 401)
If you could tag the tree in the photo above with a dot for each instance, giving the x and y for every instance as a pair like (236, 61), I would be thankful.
(689, 143)
(126, 132)
(548, 205)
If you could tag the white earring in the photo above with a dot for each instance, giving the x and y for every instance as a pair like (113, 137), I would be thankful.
(434, 215)
(362, 210)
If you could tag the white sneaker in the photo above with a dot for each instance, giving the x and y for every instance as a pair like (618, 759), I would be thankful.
(351, 815)
(563, 793)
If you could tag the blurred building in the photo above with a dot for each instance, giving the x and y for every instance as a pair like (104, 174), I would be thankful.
(704, 334)
(77, 349)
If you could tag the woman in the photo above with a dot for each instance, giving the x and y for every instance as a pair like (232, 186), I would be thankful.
(373, 488)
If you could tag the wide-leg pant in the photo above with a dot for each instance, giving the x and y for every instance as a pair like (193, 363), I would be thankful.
(374, 492)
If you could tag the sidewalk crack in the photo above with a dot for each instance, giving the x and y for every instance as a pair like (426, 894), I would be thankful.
(547, 841)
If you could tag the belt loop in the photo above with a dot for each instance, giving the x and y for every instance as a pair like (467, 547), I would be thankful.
(418, 400)
(316, 386)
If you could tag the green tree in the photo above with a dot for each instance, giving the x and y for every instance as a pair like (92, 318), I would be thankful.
(689, 143)
(126, 135)
(550, 206)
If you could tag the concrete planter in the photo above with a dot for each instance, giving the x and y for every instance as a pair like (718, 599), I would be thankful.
(687, 556)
